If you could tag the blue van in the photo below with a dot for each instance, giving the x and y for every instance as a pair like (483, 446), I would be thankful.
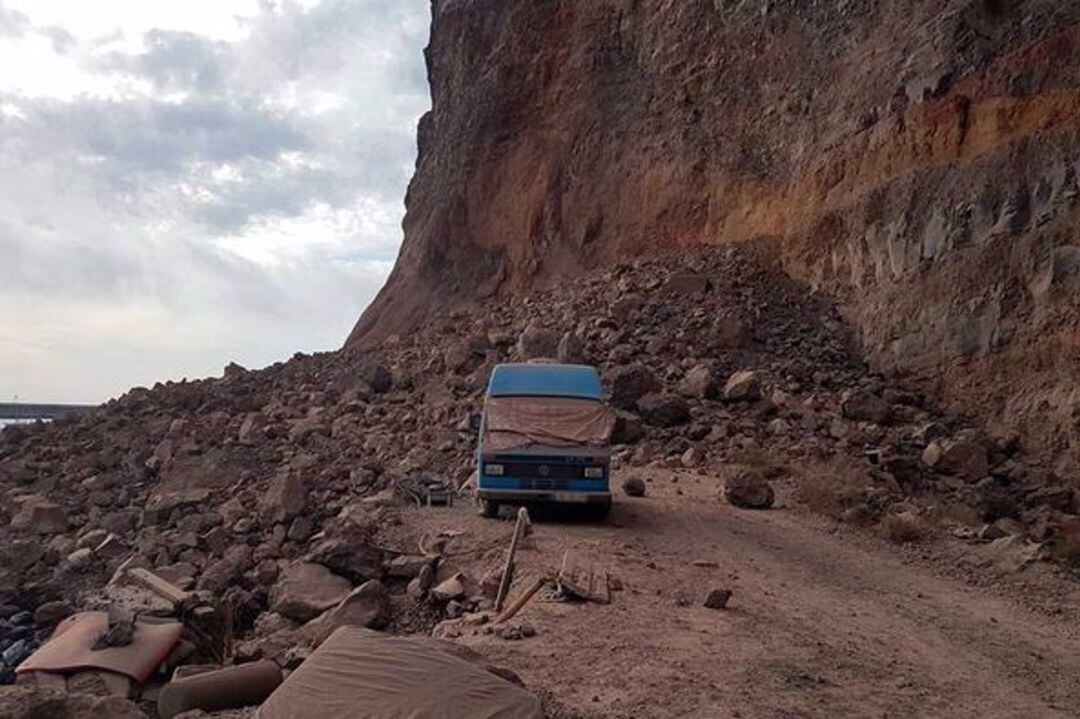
(545, 436)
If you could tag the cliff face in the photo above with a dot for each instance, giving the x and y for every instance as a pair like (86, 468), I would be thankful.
(919, 160)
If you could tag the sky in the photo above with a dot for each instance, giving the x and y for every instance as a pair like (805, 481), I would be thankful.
(188, 184)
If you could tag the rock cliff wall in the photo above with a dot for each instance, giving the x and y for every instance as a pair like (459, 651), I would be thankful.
(918, 160)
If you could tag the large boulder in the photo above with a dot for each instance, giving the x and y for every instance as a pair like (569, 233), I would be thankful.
(350, 551)
(366, 606)
(536, 342)
(628, 428)
(630, 383)
(285, 498)
(965, 458)
(745, 489)
(306, 590)
(663, 409)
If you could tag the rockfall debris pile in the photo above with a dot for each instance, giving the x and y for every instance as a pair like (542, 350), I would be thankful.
(260, 511)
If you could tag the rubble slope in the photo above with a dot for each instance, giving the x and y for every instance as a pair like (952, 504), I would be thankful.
(916, 160)
(276, 488)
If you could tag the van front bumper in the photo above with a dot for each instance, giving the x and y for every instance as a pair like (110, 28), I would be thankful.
(543, 495)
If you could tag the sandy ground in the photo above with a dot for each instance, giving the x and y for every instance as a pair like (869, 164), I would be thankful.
(824, 621)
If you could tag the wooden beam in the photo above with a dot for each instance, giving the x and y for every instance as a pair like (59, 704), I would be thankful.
(508, 569)
(157, 585)
(521, 601)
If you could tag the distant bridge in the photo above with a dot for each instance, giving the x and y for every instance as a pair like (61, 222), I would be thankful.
(28, 412)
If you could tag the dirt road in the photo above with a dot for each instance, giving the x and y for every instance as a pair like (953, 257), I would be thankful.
(823, 622)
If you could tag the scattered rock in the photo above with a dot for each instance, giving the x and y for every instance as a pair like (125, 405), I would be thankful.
(29, 702)
(366, 606)
(452, 588)
(307, 427)
(634, 487)
(664, 410)
(571, 350)
(306, 590)
(1062, 499)
(628, 428)
(284, 499)
(407, 566)
(863, 406)
(700, 382)
(80, 558)
(228, 570)
(964, 458)
(717, 599)
(746, 489)
(630, 383)
(50, 613)
(536, 342)
(378, 377)
(743, 385)
(686, 283)
(41, 516)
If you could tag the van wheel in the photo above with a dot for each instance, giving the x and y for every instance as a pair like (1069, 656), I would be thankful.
(489, 509)
(601, 510)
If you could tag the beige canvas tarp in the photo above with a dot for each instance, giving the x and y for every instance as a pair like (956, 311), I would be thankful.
(515, 422)
(361, 673)
(71, 648)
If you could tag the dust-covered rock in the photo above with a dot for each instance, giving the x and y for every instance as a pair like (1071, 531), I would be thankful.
(305, 590)
(746, 489)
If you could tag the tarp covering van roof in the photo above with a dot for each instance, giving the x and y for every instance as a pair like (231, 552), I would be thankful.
(545, 380)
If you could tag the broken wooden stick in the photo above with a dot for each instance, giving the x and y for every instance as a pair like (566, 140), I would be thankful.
(522, 600)
(508, 570)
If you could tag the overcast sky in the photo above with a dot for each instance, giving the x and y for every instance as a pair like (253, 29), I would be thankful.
(184, 184)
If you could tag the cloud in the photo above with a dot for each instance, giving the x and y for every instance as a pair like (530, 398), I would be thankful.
(220, 194)
(63, 41)
(12, 23)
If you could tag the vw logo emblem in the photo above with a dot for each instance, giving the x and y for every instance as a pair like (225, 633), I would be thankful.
(543, 470)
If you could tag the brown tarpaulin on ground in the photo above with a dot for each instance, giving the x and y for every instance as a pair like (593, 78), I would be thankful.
(514, 422)
(361, 673)
(69, 648)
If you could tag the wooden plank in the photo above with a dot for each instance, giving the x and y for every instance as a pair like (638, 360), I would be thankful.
(157, 585)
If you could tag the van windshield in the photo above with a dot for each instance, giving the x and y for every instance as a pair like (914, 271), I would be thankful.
(519, 422)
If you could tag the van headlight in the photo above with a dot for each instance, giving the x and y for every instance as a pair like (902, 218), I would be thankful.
(594, 472)
(494, 469)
